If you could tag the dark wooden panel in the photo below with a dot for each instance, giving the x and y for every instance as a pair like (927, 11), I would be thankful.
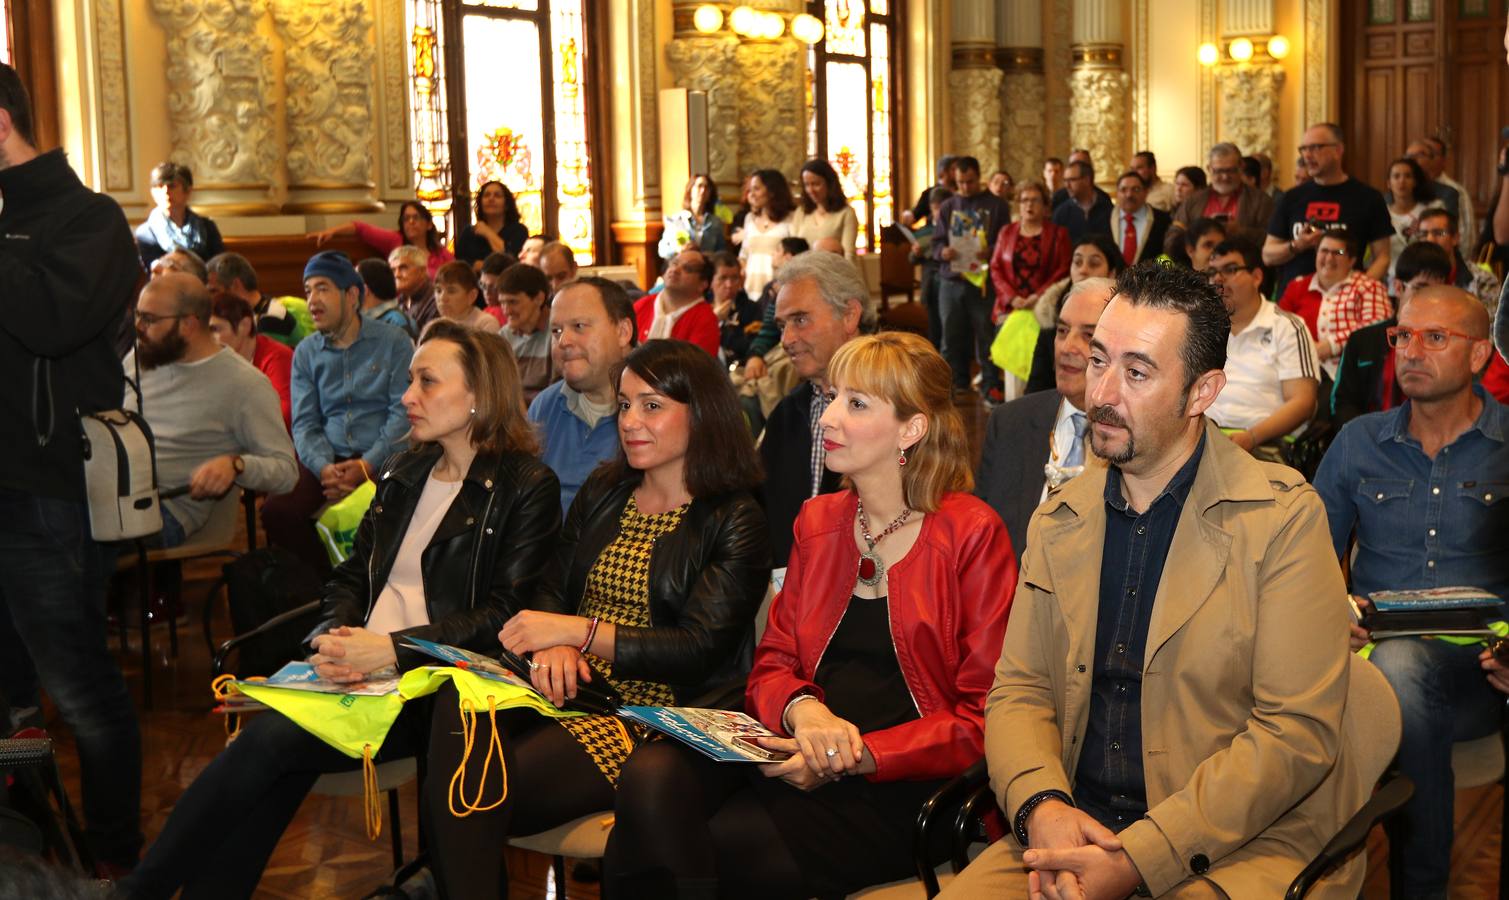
(1420, 43)
(1418, 103)
(1382, 46)
(1379, 125)
(1476, 136)
(280, 259)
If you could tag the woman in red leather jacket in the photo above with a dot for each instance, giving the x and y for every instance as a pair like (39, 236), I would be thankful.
(875, 663)
(1030, 253)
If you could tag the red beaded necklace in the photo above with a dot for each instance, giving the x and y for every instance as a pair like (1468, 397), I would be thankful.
(871, 569)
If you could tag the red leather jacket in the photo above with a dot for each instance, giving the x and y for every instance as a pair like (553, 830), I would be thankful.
(1053, 264)
(948, 601)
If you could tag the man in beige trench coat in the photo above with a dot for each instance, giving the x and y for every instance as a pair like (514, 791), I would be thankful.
(1188, 746)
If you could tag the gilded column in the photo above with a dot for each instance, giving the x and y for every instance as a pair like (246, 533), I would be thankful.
(710, 63)
(1248, 89)
(1024, 97)
(773, 102)
(1099, 86)
(974, 84)
(219, 106)
(328, 74)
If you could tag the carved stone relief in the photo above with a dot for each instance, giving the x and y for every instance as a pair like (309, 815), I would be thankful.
(392, 47)
(219, 85)
(645, 45)
(772, 108)
(1249, 106)
(328, 75)
(1059, 60)
(1098, 121)
(110, 63)
(1023, 109)
(975, 107)
(711, 65)
(1317, 41)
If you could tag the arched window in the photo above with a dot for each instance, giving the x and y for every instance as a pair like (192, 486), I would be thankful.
(852, 79)
(513, 101)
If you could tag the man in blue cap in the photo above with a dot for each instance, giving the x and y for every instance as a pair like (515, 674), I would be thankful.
(347, 390)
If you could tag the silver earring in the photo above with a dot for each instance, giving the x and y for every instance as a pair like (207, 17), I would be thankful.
(474, 410)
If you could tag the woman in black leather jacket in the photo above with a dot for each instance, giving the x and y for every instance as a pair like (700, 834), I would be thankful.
(658, 574)
(455, 540)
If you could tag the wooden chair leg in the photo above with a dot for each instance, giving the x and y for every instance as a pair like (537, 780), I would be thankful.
(559, 864)
(396, 830)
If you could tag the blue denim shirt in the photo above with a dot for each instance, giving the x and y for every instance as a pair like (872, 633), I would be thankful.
(348, 402)
(1420, 522)
(1109, 784)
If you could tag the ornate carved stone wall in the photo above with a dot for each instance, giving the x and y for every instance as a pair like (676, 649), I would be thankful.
(392, 47)
(1098, 116)
(110, 60)
(1249, 105)
(975, 107)
(1024, 106)
(219, 96)
(328, 77)
(711, 64)
(772, 106)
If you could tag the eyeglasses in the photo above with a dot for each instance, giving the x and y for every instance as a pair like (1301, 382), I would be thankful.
(1433, 233)
(1225, 271)
(1332, 251)
(1222, 171)
(1316, 148)
(1434, 338)
(150, 319)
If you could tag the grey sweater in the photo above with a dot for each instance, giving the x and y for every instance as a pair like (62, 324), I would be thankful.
(198, 411)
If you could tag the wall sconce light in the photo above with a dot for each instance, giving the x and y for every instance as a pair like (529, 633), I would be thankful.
(1240, 49)
(1278, 46)
(1209, 54)
(744, 21)
(772, 26)
(807, 28)
(707, 19)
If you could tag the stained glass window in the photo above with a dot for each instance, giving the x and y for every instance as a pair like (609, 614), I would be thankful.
(851, 85)
(5, 54)
(521, 73)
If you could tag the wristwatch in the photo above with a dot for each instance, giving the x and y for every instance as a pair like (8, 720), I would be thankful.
(238, 463)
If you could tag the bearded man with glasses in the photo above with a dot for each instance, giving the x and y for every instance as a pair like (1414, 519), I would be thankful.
(1423, 492)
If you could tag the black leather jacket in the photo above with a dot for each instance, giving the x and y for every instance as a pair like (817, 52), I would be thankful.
(707, 579)
(480, 567)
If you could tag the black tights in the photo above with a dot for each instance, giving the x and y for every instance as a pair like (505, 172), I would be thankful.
(551, 781)
(685, 822)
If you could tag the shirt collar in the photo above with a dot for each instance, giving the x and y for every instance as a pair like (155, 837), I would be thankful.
(326, 344)
(1490, 421)
(1266, 318)
(1178, 487)
(1315, 284)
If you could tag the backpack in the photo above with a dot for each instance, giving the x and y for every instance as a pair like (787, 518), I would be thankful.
(262, 584)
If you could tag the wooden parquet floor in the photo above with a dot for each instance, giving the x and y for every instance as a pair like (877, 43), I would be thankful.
(325, 854)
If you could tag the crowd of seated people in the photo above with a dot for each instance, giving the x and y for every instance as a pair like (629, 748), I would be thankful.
(1131, 609)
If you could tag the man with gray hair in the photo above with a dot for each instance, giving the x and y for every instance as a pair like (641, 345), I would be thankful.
(232, 275)
(821, 303)
(411, 276)
(1229, 200)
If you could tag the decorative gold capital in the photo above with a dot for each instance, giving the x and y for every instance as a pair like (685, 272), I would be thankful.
(1096, 56)
(974, 55)
(1013, 60)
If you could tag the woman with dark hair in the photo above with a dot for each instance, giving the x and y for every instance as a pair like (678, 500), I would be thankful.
(874, 665)
(456, 295)
(496, 226)
(769, 220)
(455, 542)
(1095, 255)
(1409, 196)
(172, 225)
(659, 570)
(416, 227)
(1186, 181)
(697, 223)
(1030, 253)
(824, 211)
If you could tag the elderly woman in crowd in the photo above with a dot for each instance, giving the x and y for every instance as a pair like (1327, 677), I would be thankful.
(697, 223)
(659, 570)
(416, 228)
(456, 293)
(1030, 253)
(172, 225)
(874, 665)
(455, 541)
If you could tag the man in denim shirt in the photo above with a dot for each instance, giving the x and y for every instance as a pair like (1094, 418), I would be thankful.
(347, 388)
(1424, 487)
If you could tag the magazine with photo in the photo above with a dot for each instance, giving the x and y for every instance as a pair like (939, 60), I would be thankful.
(301, 676)
(1459, 597)
(721, 734)
(596, 696)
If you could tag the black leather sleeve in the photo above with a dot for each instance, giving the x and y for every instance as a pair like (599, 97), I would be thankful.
(719, 610)
(524, 538)
(551, 593)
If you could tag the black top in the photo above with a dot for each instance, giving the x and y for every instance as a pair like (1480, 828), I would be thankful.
(1351, 203)
(859, 674)
(786, 452)
(1072, 216)
(68, 273)
(1364, 374)
(1109, 783)
(472, 248)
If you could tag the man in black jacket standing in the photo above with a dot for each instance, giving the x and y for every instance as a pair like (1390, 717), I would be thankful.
(68, 267)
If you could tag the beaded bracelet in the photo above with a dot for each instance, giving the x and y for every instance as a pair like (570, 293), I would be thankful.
(591, 633)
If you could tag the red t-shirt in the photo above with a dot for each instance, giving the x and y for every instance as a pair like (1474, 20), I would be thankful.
(1496, 379)
(698, 325)
(1303, 302)
(276, 362)
(1217, 205)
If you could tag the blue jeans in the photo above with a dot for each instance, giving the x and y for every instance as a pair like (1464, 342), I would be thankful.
(1444, 698)
(965, 313)
(53, 638)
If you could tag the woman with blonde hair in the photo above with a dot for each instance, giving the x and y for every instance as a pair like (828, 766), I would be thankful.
(874, 665)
